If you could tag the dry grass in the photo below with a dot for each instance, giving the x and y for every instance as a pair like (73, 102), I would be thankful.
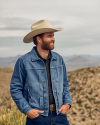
(84, 88)
(9, 114)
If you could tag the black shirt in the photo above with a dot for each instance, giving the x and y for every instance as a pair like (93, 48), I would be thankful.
(47, 64)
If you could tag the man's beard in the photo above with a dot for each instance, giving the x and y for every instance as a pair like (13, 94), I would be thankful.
(47, 45)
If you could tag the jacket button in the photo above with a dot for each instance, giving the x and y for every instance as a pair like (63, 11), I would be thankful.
(44, 91)
(42, 70)
(44, 81)
(30, 97)
(44, 112)
(44, 102)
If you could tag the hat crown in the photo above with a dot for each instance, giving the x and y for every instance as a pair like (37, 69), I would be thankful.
(41, 24)
(39, 27)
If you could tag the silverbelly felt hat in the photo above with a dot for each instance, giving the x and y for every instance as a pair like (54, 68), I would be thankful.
(39, 27)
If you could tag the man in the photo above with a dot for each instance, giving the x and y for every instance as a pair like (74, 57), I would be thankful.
(39, 84)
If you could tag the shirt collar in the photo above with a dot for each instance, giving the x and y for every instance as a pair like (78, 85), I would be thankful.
(35, 57)
(49, 55)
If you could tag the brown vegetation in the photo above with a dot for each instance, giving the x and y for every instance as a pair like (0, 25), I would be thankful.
(84, 87)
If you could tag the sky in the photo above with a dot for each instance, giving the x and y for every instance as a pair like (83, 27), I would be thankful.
(80, 20)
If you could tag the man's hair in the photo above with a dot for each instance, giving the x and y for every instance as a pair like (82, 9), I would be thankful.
(35, 40)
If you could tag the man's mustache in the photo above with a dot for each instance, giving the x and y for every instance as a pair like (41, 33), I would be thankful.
(52, 42)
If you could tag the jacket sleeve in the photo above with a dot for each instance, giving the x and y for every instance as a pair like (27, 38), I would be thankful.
(66, 93)
(17, 86)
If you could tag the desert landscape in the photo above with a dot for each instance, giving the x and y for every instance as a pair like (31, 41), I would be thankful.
(84, 87)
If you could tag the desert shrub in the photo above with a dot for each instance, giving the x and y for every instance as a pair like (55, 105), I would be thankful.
(79, 101)
(87, 106)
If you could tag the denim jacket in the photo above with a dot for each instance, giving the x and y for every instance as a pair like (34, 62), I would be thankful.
(29, 83)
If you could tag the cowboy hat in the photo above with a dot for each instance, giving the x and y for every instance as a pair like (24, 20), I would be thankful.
(39, 27)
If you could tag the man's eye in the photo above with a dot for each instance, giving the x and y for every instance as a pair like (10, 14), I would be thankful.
(50, 35)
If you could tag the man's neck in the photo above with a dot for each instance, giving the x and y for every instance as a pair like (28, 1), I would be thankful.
(43, 53)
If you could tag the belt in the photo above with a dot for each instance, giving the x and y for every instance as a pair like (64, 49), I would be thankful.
(52, 107)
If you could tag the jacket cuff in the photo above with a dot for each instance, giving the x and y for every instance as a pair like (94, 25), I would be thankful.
(67, 101)
(26, 109)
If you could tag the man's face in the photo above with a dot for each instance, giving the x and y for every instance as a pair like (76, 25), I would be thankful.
(48, 41)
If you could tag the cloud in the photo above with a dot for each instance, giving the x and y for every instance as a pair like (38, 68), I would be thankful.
(79, 50)
(4, 49)
(15, 23)
(79, 19)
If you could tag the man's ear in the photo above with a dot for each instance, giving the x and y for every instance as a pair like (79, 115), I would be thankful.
(38, 39)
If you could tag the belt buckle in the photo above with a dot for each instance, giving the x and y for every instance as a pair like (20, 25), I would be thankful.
(52, 107)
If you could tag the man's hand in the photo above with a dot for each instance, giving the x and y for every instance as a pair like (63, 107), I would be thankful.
(64, 108)
(34, 113)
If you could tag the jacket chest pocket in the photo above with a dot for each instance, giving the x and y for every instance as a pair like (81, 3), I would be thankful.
(57, 76)
(58, 73)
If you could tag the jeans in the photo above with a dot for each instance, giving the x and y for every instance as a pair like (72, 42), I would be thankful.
(51, 119)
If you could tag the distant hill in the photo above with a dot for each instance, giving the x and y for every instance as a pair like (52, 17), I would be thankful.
(72, 62)
(78, 59)
(89, 57)
(78, 62)
(8, 61)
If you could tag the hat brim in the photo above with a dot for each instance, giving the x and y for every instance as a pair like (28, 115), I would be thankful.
(29, 37)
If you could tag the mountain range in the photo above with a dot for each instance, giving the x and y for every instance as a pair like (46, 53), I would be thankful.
(81, 61)
(72, 62)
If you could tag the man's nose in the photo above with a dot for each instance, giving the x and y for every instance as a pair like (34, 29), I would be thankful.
(53, 38)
